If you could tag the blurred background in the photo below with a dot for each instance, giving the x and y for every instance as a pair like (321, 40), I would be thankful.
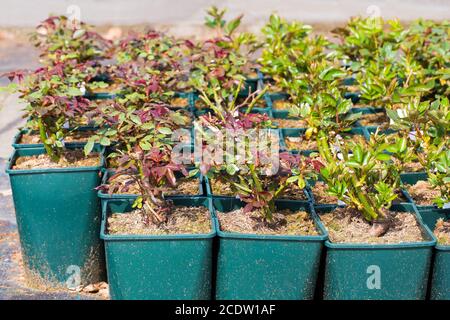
(113, 18)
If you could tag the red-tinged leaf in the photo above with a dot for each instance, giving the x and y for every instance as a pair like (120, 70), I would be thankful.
(171, 178)
(248, 208)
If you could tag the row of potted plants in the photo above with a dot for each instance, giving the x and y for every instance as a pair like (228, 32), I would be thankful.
(206, 173)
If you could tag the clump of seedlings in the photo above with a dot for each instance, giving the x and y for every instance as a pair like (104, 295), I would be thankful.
(153, 172)
(427, 125)
(54, 103)
(237, 150)
(363, 177)
(61, 39)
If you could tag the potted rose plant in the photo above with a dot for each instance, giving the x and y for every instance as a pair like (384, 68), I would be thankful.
(58, 213)
(380, 237)
(156, 247)
(256, 222)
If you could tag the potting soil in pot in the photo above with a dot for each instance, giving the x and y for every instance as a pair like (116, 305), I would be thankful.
(442, 232)
(126, 185)
(70, 158)
(182, 220)
(422, 192)
(346, 225)
(284, 222)
(321, 195)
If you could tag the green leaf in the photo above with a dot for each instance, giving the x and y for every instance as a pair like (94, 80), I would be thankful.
(105, 141)
(135, 119)
(78, 33)
(74, 92)
(383, 157)
(165, 130)
(193, 173)
(301, 183)
(145, 145)
(292, 179)
(331, 73)
(89, 146)
(232, 169)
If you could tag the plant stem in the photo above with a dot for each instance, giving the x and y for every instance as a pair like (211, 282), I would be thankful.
(43, 135)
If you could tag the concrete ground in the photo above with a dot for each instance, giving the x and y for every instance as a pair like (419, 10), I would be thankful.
(17, 17)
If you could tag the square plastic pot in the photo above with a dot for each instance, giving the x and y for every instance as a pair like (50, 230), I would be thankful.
(254, 267)
(186, 95)
(58, 216)
(158, 267)
(272, 97)
(354, 96)
(412, 178)
(101, 95)
(359, 271)
(440, 283)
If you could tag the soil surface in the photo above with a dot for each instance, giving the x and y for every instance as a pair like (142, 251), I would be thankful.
(422, 193)
(294, 192)
(182, 220)
(111, 88)
(179, 102)
(356, 138)
(284, 222)
(200, 104)
(373, 119)
(300, 143)
(221, 188)
(321, 195)
(442, 232)
(290, 123)
(71, 158)
(413, 166)
(76, 136)
(346, 225)
(280, 105)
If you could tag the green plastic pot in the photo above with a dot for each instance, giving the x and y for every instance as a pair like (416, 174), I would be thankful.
(354, 96)
(101, 95)
(355, 271)
(272, 97)
(158, 267)
(58, 217)
(372, 130)
(269, 267)
(412, 178)
(440, 282)
(349, 81)
(186, 95)
(17, 145)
